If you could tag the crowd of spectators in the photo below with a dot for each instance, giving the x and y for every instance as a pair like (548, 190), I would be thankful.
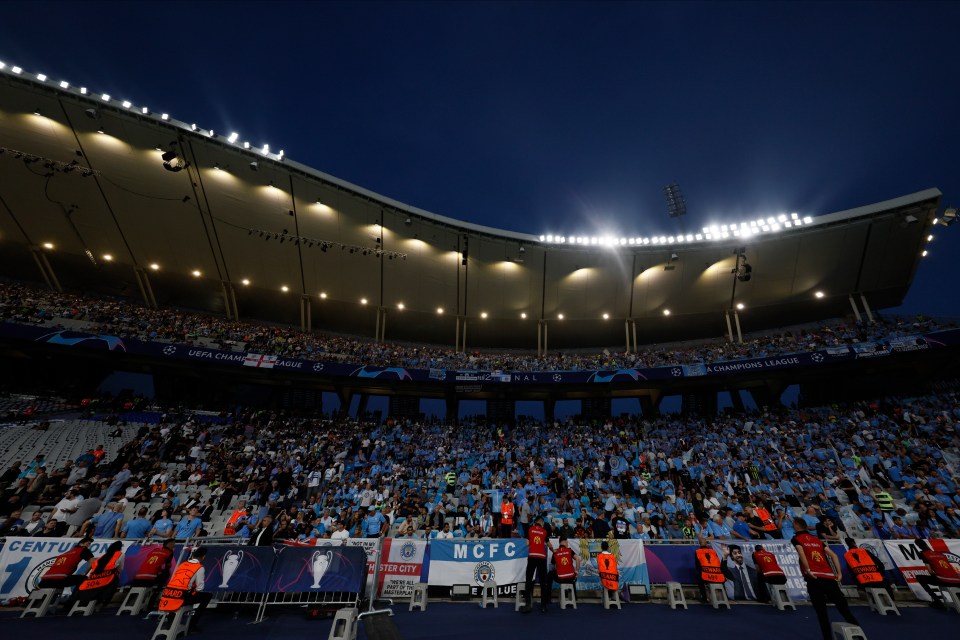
(884, 469)
(24, 304)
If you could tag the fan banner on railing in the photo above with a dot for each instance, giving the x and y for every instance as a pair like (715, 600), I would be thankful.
(475, 564)
(631, 562)
(741, 573)
(906, 555)
(323, 569)
(23, 561)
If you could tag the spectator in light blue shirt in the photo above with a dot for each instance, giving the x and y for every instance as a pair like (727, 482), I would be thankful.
(188, 526)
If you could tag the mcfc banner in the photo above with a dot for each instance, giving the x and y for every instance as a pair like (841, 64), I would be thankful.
(477, 563)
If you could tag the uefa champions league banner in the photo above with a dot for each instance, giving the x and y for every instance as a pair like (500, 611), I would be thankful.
(906, 555)
(737, 560)
(318, 570)
(243, 569)
(476, 563)
(23, 561)
(50, 334)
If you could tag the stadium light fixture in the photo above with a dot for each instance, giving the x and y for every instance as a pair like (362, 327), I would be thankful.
(107, 257)
(666, 312)
(606, 316)
(233, 137)
(245, 282)
(155, 267)
(400, 306)
(559, 316)
(523, 315)
(196, 273)
(16, 70)
(285, 288)
(144, 110)
(363, 301)
(193, 127)
(36, 111)
(819, 294)
(924, 254)
(42, 77)
(930, 238)
(48, 245)
(323, 295)
(266, 149)
(439, 311)
(3, 65)
(740, 306)
(64, 84)
(83, 91)
(105, 97)
(936, 220)
(483, 315)
(127, 104)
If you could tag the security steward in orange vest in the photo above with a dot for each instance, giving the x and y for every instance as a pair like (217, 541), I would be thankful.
(607, 567)
(866, 568)
(506, 518)
(940, 573)
(769, 571)
(822, 577)
(103, 578)
(767, 524)
(186, 588)
(708, 568)
(63, 572)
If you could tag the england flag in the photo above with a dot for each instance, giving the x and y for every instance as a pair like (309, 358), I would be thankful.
(259, 360)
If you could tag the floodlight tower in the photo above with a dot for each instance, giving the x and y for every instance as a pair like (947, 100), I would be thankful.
(676, 204)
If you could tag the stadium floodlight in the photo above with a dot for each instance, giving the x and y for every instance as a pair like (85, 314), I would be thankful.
(666, 312)
(246, 145)
(144, 110)
(819, 294)
(542, 238)
(64, 84)
(3, 65)
(708, 236)
(105, 97)
(740, 306)
(549, 237)
(924, 254)
(949, 217)
(83, 91)
(794, 216)
(807, 220)
(127, 104)
(676, 204)
(233, 137)
(16, 70)
(523, 315)
(632, 241)
(266, 149)
(280, 155)
(193, 127)
(936, 220)
(606, 316)
(164, 116)
(42, 77)
(781, 217)
(570, 240)
(559, 316)
(930, 238)
(210, 133)
(699, 237)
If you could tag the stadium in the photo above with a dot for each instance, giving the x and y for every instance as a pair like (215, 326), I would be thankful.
(269, 304)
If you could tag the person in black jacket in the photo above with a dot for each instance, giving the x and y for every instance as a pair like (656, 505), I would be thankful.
(262, 536)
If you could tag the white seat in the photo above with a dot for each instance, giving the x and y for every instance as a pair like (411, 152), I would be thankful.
(847, 631)
(136, 601)
(611, 598)
(520, 599)
(717, 595)
(488, 594)
(344, 625)
(675, 597)
(953, 594)
(568, 596)
(418, 597)
(87, 608)
(40, 602)
(780, 598)
(173, 624)
(880, 601)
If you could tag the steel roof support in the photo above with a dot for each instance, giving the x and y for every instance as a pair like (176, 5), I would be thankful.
(853, 305)
(541, 338)
(306, 313)
(381, 324)
(866, 307)
(146, 290)
(45, 269)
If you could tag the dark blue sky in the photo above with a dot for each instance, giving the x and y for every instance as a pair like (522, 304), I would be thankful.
(545, 117)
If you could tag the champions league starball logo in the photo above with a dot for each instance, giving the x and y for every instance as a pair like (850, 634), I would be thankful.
(169, 350)
(817, 357)
(484, 572)
(408, 550)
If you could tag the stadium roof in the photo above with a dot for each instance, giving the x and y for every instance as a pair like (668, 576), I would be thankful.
(85, 197)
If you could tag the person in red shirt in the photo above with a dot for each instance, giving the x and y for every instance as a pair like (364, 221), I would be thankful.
(537, 565)
(940, 573)
(566, 566)
(821, 571)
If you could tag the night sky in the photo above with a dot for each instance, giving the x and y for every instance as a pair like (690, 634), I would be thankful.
(541, 117)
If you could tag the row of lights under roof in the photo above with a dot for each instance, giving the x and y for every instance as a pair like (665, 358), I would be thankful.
(714, 232)
(126, 104)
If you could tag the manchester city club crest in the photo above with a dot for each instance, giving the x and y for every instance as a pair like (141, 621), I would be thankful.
(483, 572)
(408, 550)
